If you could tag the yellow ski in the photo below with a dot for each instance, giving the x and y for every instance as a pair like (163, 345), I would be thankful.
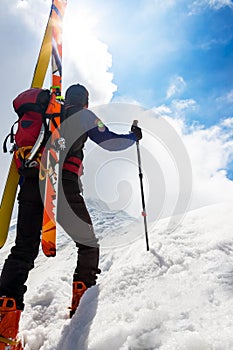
(11, 185)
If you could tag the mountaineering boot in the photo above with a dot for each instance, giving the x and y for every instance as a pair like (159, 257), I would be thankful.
(9, 324)
(79, 289)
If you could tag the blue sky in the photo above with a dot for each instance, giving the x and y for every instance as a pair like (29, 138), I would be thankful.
(156, 44)
(173, 57)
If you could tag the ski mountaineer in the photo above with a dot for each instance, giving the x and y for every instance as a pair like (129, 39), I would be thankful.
(78, 124)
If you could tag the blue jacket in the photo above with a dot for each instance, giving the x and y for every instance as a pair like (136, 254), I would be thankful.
(80, 124)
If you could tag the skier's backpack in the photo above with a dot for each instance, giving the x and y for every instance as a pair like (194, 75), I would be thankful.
(31, 106)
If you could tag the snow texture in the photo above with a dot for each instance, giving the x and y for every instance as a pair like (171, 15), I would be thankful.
(177, 296)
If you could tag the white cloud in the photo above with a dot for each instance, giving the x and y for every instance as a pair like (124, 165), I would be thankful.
(198, 5)
(86, 58)
(178, 109)
(162, 110)
(228, 122)
(210, 151)
(33, 14)
(217, 4)
(186, 104)
(227, 98)
(176, 86)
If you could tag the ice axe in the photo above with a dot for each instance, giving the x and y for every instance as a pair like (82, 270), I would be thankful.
(135, 123)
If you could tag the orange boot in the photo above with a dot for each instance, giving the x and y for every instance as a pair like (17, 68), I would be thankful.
(79, 289)
(9, 324)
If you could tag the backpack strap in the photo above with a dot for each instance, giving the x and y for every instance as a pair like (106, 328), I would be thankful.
(53, 119)
(11, 135)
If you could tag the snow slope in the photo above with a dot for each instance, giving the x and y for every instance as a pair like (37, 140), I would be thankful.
(178, 296)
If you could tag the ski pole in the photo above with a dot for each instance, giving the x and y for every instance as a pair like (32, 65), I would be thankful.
(135, 123)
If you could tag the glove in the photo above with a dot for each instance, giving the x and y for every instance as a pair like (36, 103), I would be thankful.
(137, 132)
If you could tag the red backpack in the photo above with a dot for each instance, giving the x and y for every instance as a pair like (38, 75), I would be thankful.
(31, 107)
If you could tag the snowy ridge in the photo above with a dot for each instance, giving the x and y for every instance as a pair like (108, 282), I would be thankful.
(178, 296)
(113, 228)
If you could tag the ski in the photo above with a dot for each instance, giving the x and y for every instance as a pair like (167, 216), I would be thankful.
(50, 158)
(10, 190)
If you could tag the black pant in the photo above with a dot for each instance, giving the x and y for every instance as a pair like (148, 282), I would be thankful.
(23, 254)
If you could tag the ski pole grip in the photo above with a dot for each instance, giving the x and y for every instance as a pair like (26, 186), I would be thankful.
(135, 123)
